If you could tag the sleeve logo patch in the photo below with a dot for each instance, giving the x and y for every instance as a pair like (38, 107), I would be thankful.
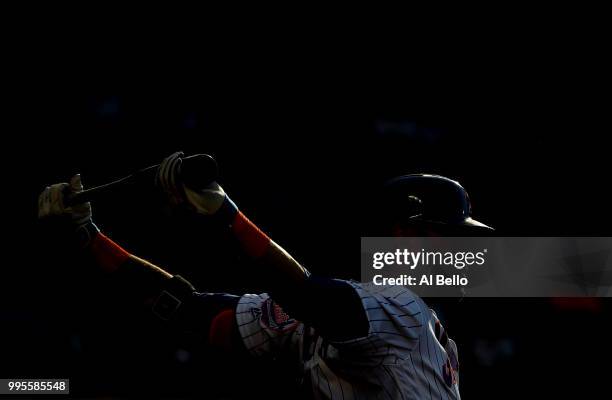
(275, 318)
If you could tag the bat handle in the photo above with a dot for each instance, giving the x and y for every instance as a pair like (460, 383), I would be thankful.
(197, 172)
(108, 188)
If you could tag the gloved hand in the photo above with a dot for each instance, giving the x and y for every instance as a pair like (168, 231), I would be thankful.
(51, 202)
(206, 201)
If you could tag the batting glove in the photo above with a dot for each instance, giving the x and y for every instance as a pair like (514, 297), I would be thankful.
(51, 202)
(206, 201)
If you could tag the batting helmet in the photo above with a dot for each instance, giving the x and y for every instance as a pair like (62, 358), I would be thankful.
(430, 199)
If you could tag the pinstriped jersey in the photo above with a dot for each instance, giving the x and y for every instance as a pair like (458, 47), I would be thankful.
(406, 354)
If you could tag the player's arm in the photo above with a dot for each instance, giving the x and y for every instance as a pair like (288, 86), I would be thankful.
(330, 305)
(170, 297)
(108, 256)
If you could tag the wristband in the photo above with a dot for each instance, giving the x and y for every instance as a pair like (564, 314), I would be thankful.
(227, 212)
(253, 240)
(108, 254)
(85, 233)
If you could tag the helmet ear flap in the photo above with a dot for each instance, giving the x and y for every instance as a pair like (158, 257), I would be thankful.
(414, 207)
(469, 205)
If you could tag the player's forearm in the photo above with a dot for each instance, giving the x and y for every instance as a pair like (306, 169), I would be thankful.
(171, 298)
(269, 256)
(141, 279)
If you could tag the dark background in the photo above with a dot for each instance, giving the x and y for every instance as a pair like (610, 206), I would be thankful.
(303, 144)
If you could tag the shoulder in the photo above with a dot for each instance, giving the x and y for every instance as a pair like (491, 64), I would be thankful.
(397, 318)
(390, 299)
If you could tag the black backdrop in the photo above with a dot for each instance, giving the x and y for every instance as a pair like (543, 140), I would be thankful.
(302, 152)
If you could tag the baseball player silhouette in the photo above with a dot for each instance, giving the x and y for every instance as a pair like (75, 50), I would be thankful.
(350, 340)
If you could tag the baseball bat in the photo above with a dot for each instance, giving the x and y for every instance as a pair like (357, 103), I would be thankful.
(197, 171)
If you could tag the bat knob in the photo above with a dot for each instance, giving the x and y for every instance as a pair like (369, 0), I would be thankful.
(198, 171)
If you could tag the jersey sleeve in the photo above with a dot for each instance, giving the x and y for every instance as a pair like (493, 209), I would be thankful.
(395, 318)
(396, 321)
